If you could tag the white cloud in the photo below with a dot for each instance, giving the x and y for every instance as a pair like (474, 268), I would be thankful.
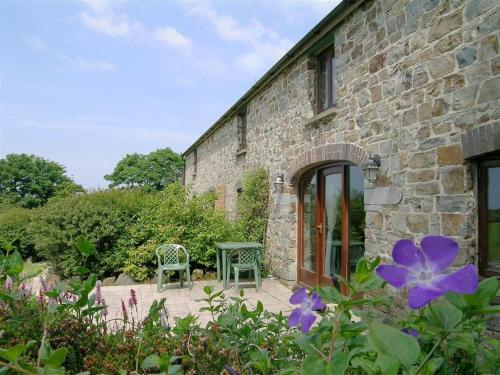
(110, 24)
(171, 37)
(266, 45)
(87, 64)
(102, 18)
(35, 42)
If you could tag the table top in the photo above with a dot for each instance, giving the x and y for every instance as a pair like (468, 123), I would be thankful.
(238, 245)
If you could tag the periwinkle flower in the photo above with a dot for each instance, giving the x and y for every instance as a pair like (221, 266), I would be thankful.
(124, 311)
(230, 370)
(411, 332)
(422, 270)
(304, 315)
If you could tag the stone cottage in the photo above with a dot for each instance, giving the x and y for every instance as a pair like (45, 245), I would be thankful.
(383, 122)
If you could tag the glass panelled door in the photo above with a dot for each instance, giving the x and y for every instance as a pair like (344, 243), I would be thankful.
(332, 223)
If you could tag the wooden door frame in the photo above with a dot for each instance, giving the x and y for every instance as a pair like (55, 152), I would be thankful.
(343, 168)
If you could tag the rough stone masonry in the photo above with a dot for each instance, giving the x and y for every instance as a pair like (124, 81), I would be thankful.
(418, 82)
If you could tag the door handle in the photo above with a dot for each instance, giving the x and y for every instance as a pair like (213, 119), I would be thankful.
(320, 228)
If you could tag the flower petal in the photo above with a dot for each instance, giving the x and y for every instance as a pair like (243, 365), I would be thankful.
(317, 303)
(439, 252)
(407, 254)
(397, 276)
(306, 322)
(298, 297)
(294, 318)
(421, 295)
(464, 281)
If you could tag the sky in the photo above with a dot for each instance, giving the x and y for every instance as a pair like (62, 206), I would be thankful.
(84, 83)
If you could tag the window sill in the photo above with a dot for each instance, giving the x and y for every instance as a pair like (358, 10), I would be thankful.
(241, 152)
(330, 112)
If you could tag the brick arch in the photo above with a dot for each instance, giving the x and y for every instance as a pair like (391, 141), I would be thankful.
(323, 154)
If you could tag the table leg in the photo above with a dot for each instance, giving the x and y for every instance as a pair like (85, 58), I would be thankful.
(218, 264)
(224, 276)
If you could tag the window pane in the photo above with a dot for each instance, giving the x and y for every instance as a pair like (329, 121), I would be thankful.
(309, 227)
(323, 84)
(334, 82)
(333, 225)
(356, 217)
(493, 218)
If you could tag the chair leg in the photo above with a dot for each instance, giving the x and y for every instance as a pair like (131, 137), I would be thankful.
(228, 275)
(256, 277)
(159, 281)
(236, 276)
(181, 278)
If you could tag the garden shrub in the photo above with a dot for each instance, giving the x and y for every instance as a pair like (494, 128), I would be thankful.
(101, 216)
(176, 218)
(14, 231)
(70, 331)
(252, 205)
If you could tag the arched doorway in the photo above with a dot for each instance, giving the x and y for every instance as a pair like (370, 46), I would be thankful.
(331, 223)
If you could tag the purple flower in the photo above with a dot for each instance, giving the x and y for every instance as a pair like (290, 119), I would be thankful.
(304, 314)
(124, 311)
(230, 370)
(133, 298)
(98, 294)
(411, 332)
(422, 270)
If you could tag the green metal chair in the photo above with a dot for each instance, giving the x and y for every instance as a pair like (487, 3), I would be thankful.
(245, 260)
(172, 257)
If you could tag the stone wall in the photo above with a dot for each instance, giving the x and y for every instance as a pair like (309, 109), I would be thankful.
(413, 77)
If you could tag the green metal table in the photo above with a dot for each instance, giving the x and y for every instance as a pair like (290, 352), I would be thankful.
(222, 249)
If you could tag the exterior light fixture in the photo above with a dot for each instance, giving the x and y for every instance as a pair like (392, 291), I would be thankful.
(278, 183)
(278, 188)
(370, 168)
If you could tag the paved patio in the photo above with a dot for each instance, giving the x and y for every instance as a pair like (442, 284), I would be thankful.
(182, 301)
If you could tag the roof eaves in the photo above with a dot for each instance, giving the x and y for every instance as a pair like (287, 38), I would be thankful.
(344, 8)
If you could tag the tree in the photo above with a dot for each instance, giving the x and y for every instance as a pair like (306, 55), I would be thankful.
(30, 180)
(153, 171)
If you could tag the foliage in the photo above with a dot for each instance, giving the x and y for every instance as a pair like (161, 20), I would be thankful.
(153, 171)
(252, 205)
(71, 332)
(102, 216)
(174, 217)
(14, 231)
(29, 180)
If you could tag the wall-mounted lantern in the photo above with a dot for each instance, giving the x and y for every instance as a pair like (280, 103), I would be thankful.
(371, 167)
(278, 187)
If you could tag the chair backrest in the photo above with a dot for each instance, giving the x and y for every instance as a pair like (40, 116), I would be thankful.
(244, 257)
(171, 254)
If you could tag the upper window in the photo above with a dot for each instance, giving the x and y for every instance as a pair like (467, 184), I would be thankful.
(326, 85)
(242, 131)
(489, 216)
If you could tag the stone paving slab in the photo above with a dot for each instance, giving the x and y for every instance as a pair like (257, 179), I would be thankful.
(182, 301)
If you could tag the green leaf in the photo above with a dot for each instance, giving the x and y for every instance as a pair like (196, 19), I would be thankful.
(485, 293)
(363, 271)
(13, 353)
(151, 361)
(432, 366)
(81, 270)
(331, 295)
(207, 289)
(339, 364)
(15, 264)
(393, 343)
(313, 364)
(495, 309)
(86, 247)
(30, 270)
(174, 369)
(368, 366)
(57, 358)
(388, 365)
(443, 316)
